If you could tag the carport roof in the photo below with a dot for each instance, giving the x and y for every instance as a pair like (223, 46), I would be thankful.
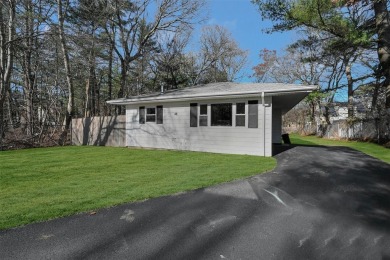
(222, 90)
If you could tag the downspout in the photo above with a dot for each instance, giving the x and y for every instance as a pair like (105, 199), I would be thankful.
(263, 103)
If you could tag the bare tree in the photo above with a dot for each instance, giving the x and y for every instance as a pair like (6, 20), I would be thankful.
(7, 33)
(382, 24)
(220, 58)
(170, 63)
(69, 81)
(131, 20)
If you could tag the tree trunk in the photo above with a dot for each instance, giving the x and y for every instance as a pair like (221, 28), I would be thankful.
(7, 33)
(350, 90)
(90, 88)
(65, 56)
(87, 106)
(382, 23)
(8, 109)
(110, 63)
(313, 111)
(326, 114)
(93, 80)
(123, 83)
(29, 78)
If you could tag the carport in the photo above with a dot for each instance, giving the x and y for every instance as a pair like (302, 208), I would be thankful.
(283, 102)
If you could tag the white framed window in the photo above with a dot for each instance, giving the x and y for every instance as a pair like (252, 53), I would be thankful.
(240, 114)
(203, 115)
(150, 114)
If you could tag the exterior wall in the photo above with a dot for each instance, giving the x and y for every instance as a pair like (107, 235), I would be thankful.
(176, 133)
(276, 126)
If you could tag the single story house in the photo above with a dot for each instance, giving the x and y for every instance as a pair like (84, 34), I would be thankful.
(235, 118)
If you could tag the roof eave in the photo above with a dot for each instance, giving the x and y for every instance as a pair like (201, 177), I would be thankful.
(162, 99)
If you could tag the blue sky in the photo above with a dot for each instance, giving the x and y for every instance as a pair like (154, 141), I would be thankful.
(244, 22)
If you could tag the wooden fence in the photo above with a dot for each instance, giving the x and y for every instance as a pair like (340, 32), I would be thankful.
(101, 131)
(366, 130)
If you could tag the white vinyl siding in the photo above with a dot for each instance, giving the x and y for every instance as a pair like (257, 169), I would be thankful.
(177, 134)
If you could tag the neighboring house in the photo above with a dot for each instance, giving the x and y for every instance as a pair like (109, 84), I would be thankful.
(339, 111)
(235, 118)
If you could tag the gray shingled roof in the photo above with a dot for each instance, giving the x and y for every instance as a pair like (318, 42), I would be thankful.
(217, 90)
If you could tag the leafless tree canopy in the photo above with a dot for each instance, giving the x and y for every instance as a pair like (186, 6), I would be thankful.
(61, 59)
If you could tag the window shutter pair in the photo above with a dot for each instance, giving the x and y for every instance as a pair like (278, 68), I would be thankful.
(159, 115)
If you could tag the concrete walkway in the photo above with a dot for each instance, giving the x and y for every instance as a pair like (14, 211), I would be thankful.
(319, 203)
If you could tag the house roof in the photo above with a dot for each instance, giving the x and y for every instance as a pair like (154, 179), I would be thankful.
(217, 91)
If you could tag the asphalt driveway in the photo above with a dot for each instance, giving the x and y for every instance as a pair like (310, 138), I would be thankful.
(319, 203)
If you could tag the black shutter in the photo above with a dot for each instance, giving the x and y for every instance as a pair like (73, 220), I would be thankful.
(194, 114)
(142, 115)
(253, 114)
(160, 112)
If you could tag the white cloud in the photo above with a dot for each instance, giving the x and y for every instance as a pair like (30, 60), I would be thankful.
(229, 24)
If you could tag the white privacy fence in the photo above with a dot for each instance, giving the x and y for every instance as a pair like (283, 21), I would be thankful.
(102, 131)
(362, 130)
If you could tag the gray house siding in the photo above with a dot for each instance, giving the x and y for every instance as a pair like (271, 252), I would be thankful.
(176, 133)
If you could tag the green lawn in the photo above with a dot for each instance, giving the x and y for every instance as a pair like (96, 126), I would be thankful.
(45, 183)
(372, 149)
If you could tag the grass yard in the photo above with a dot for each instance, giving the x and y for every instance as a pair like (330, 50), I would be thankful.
(45, 183)
(372, 149)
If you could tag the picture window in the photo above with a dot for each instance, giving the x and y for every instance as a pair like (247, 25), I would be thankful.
(221, 114)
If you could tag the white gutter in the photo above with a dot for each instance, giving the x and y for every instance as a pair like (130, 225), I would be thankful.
(163, 99)
(172, 99)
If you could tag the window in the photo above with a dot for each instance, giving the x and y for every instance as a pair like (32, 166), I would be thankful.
(253, 114)
(193, 115)
(240, 114)
(142, 115)
(150, 114)
(160, 114)
(221, 114)
(203, 115)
